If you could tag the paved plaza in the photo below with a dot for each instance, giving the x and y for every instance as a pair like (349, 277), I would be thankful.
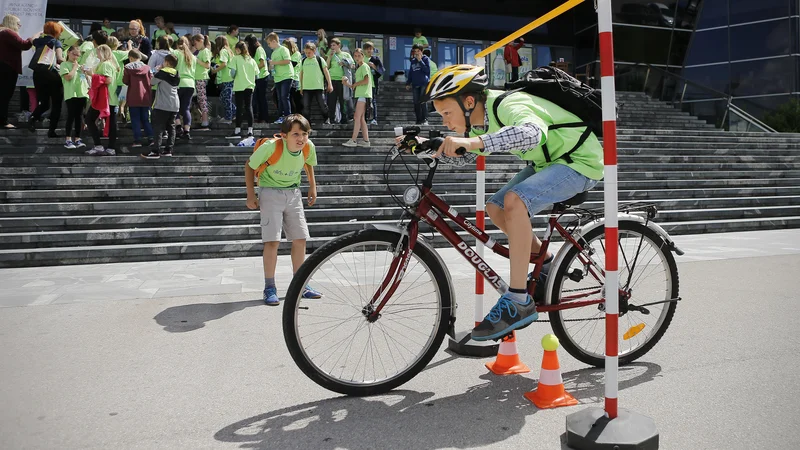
(183, 354)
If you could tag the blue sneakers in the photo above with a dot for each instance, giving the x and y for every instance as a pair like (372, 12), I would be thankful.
(506, 316)
(311, 293)
(271, 296)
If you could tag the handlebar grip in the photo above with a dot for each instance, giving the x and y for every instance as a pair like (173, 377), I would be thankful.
(461, 151)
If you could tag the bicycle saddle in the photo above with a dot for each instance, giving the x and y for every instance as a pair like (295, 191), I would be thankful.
(574, 201)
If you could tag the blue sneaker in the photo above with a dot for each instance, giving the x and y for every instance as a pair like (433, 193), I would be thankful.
(271, 296)
(506, 316)
(311, 293)
(280, 120)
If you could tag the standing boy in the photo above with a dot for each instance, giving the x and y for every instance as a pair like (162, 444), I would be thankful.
(418, 77)
(283, 72)
(338, 60)
(314, 81)
(419, 39)
(165, 107)
(376, 66)
(280, 199)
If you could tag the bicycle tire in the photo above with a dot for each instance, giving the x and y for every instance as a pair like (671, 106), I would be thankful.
(292, 319)
(558, 318)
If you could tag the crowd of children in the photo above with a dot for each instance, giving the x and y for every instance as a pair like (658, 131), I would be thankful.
(125, 76)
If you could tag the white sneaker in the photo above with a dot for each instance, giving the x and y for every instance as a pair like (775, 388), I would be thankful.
(373, 122)
(425, 123)
(364, 144)
(98, 150)
(350, 143)
(79, 144)
(70, 145)
(327, 122)
(110, 152)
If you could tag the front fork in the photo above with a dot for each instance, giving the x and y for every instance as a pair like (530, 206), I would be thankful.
(402, 257)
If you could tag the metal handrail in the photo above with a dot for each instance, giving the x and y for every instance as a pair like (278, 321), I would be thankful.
(721, 96)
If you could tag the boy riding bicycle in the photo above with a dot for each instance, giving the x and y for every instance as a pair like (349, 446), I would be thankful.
(556, 170)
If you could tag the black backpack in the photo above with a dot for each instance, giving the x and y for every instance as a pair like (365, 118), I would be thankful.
(559, 87)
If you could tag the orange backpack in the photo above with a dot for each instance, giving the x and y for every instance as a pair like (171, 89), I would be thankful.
(276, 155)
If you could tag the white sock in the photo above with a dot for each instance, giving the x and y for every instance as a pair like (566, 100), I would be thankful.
(237, 130)
(517, 297)
(249, 130)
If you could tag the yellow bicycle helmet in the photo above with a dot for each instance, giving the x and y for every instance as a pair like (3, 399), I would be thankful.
(453, 80)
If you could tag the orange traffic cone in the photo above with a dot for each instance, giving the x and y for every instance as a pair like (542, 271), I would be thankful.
(508, 362)
(550, 392)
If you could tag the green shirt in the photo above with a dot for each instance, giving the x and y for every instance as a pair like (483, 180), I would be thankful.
(78, 86)
(86, 49)
(246, 71)
(158, 33)
(434, 67)
(286, 173)
(323, 48)
(283, 71)
(107, 68)
(521, 108)
(232, 41)
(336, 70)
(224, 75)
(185, 70)
(109, 30)
(296, 57)
(422, 40)
(313, 78)
(200, 72)
(365, 90)
(120, 56)
(261, 55)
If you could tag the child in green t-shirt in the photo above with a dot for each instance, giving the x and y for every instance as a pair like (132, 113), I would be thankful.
(221, 57)
(314, 81)
(244, 81)
(283, 71)
(109, 68)
(420, 39)
(187, 66)
(76, 92)
(363, 94)
(202, 51)
(280, 200)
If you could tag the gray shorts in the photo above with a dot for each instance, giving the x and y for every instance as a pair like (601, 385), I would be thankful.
(282, 209)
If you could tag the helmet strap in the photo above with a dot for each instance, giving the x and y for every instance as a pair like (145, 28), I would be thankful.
(467, 115)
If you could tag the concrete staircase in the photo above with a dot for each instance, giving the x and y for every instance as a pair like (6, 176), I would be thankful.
(59, 206)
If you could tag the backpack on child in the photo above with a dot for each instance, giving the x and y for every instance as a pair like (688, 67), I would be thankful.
(276, 155)
(559, 87)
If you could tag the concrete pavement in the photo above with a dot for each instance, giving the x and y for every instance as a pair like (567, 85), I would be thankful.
(194, 371)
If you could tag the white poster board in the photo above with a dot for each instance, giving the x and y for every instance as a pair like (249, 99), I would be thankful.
(31, 14)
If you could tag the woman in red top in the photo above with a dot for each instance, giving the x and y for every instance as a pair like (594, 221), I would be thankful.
(11, 48)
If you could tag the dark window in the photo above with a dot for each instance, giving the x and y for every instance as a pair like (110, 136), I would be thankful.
(642, 45)
(759, 40)
(761, 106)
(680, 42)
(585, 46)
(752, 10)
(768, 76)
(714, 77)
(644, 12)
(713, 13)
(708, 46)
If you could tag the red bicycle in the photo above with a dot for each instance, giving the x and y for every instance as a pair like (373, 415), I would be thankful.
(389, 298)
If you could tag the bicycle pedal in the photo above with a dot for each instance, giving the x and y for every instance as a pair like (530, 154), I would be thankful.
(506, 337)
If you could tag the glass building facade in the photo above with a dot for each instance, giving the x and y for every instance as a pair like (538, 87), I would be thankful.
(746, 49)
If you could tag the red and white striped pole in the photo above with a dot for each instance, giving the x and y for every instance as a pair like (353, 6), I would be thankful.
(609, 104)
(480, 222)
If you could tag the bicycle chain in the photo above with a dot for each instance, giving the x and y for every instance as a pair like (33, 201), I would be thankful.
(573, 320)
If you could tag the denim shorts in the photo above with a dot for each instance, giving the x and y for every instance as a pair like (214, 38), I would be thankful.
(537, 190)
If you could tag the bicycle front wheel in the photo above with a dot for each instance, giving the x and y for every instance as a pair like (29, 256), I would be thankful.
(331, 339)
(647, 276)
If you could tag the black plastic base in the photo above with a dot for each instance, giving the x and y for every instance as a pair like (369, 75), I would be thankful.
(464, 345)
(591, 430)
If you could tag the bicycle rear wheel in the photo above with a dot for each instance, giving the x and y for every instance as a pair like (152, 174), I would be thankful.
(647, 274)
(331, 339)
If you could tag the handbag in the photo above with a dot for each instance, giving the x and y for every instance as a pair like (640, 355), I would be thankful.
(43, 58)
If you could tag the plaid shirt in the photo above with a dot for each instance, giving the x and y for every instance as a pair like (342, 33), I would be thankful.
(523, 138)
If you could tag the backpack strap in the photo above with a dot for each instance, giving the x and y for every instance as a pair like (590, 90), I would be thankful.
(497, 102)
(319, 61)
(273, 158)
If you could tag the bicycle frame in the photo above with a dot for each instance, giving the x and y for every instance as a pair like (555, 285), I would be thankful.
(433, 210)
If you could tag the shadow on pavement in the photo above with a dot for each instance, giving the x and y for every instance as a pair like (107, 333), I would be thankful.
(180, 319)
(485, 414)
